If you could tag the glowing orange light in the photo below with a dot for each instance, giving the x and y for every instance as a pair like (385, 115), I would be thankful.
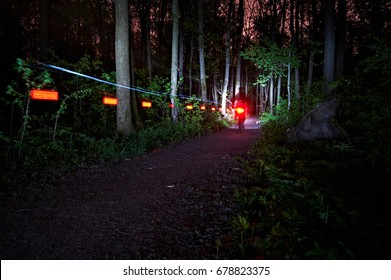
(146, 104)
(213, 108)
(44, 94)
(240, 110)
(189, 107)
(202, 107)
(110, 101)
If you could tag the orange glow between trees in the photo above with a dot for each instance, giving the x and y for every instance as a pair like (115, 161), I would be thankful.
(110, 101)
(146, 104)
(44, 94)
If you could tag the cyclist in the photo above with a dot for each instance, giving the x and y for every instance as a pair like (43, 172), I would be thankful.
(240, 109)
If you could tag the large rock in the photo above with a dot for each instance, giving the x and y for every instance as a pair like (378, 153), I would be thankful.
(319, 123)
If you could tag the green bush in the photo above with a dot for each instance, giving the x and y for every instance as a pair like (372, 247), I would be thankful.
(48, 141)
(322, 199)
(293, 203)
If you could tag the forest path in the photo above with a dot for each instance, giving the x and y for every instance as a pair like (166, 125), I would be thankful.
(169, 203)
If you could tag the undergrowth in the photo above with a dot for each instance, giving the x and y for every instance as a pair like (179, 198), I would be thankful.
(42, 157)
(44, 140)
(325, 199)
(317, 200)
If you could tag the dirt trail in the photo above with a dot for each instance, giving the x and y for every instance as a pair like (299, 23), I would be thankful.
(170, 203)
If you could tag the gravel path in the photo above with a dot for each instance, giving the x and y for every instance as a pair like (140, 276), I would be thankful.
(171, 203)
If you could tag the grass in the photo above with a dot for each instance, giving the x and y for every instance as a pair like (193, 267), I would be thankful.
(314, 200)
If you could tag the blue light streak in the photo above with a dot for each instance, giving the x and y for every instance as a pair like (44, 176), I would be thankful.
(118, 85)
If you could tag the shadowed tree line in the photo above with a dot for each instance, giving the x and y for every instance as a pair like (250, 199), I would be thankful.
(327, 37)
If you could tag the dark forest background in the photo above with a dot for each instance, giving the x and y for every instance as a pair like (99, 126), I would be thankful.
(51, 31)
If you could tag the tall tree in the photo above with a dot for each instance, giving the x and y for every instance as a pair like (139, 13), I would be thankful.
(174, 59)
(149, 51)
(133, 98)
(144, 10)
(239, 46)
(190, 75)
(340, 39)
(312, 47)
(227, 58)
(124, 112)
(297, 43)
(329, 44)
(294, 30)
(181, 60)
(201, 49)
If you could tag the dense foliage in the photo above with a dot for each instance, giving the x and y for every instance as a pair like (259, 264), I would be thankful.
(53, 138)
(323, 199)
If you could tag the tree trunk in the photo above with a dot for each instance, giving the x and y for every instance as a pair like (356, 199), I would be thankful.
(271, 94)
(214, 91)
(191, 65)
(133, 98)
(273, 19)
(278, 89)
(297, 28)
(340, 39)
(174, 59)
(314, 29)
(201, 49)
(297, 83)
(162, 12)
(124, 113)
(310, 69)
(148, 39)
(227, 59)
(294, 28)
(282, 24)
(238, 72)
(329, 44)
(291, 23)
(232, 87)
(239, 47)
(144, 10)
(181, 60)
